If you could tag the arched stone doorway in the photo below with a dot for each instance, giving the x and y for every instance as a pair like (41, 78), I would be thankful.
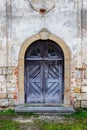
(44, 73)
(45, 35)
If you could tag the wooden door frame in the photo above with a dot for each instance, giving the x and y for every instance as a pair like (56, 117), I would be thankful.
(45, 35)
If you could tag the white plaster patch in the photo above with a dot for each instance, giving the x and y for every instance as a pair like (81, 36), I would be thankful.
(2, 7)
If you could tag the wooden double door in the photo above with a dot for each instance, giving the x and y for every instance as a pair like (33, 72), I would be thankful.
(44, 73)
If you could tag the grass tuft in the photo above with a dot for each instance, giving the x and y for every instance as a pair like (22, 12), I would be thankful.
(11, 112)
(8, 112)
(80, 113)
(8, 124)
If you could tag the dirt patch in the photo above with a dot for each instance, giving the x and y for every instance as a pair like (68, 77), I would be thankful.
(42, 118)
(23, 120)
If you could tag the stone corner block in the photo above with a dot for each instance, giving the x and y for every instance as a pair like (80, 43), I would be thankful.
(84, 89)
(78, 96)
(84, 96)
(77, 89)
(3, 95)
(77, 104)
(83, 104)
(4, 103)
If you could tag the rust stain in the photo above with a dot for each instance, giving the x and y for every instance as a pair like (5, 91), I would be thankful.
(16, 71)
(17, 82)
(42, 11)
(15, 97)
(66, 91)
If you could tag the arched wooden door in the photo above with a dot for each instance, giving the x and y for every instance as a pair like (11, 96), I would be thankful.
(44, 73)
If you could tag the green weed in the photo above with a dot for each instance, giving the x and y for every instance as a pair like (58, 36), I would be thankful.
(11, 112)
(7, 124)
(76, 121)
(62, 126)
(8, 112)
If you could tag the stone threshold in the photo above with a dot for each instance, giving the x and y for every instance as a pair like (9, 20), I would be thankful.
(45, 108)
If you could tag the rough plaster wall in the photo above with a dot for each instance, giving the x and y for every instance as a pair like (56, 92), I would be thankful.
(84, 31)
(65, 21)
(3, 33)
(18, 21)
(2, 51)
(61, 21)
(8, 73)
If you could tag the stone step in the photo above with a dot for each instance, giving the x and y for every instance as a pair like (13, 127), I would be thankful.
(61, 109)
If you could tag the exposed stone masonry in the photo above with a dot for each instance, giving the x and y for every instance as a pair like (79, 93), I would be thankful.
(79, 91)
(8, 86)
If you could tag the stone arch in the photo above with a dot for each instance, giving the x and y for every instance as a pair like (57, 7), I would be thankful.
(44, 35)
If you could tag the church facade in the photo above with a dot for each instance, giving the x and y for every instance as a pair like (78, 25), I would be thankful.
(43, 52)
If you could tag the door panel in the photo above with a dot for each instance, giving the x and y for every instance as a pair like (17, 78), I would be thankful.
(34, 82)
(54, 87)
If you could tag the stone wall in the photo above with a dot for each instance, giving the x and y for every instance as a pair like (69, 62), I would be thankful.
(8, 86)
(19, 21)
(79, 91)
(81, 73)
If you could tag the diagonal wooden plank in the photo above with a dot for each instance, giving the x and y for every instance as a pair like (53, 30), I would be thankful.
(52, 88)
(50, 84)
(34, 89)
(31, 71)
(38, 86)
(35, 73)
(55, 72)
